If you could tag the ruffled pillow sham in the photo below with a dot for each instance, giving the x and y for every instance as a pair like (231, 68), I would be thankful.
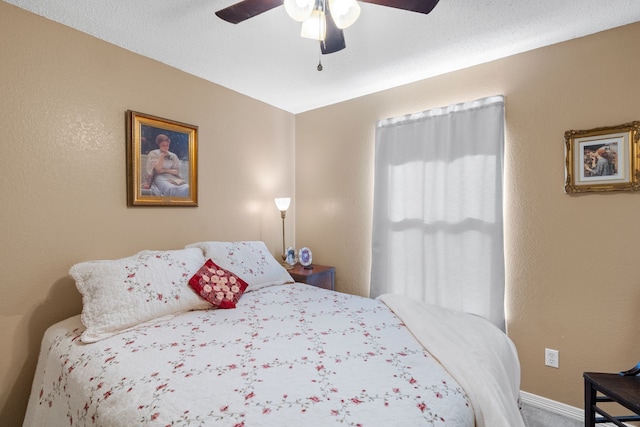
(250, 260)
(123, 293)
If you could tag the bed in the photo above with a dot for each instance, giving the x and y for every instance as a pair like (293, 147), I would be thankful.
(262, 351)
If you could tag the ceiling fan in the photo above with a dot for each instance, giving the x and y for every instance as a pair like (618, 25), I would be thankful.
(323, 20)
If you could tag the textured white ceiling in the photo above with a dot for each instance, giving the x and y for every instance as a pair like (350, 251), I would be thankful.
(266, 59)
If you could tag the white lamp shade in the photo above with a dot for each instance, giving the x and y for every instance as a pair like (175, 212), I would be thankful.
(344, 12)
(315, 26)
(282, 203)
(299, 10)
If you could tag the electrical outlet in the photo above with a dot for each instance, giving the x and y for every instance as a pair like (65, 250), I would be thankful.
(551, 358)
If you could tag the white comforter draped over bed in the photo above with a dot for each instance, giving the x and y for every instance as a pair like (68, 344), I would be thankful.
(478, 355)
(288, 355)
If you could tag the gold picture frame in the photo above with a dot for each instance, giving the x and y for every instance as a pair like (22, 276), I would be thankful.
(162, 161)
(602, 159)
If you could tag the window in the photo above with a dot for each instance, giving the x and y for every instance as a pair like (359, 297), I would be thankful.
(437, 222)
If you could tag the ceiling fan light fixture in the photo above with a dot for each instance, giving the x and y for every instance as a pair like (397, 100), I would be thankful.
(299, 10)
(315, 26)
(344, 12)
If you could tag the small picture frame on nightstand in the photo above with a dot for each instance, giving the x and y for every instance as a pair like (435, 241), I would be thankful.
(305, 257)
(291, 256)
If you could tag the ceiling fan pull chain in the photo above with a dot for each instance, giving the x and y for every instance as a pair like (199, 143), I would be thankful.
(319, 67)
(324, 8)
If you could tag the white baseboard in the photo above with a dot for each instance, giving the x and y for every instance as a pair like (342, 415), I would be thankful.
(556, 407)
(552, 406)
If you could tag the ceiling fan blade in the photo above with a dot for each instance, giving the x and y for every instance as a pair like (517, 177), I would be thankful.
(334, 40)
(246, 9)
(420, 6)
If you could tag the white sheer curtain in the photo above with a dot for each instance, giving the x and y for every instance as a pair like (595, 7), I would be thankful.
(437, 215)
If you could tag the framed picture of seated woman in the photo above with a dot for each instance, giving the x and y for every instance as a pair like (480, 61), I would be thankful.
(161, 161)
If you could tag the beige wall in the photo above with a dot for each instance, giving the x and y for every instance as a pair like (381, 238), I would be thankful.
(571, 262)
(63, 99)
(571, 281)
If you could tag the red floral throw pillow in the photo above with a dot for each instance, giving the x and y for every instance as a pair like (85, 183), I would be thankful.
(220, 287)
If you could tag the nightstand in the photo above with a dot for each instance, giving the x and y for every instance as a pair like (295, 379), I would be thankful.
(321, 276)
(613, 388)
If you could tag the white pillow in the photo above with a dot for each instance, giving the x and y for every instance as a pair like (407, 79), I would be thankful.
(120, 294)
(251, 261)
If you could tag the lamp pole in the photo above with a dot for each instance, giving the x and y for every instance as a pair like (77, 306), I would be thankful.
(283, 214)
(282, 203)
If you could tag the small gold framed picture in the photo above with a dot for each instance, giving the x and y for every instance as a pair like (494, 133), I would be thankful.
(602, 159)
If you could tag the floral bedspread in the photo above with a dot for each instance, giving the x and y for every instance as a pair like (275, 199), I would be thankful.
(288, 355)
